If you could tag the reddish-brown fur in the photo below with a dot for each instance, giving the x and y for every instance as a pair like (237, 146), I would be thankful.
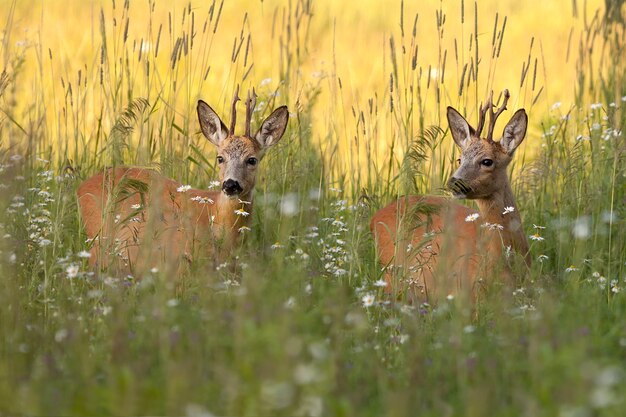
(427, 245)
(138, 219)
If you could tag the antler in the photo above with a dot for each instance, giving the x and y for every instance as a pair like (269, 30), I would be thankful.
(493, 117)
(233, 115)
(250, 103)
(482, 113)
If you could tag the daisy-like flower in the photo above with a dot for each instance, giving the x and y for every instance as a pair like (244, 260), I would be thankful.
(83, 254)
(368, 300)
(472, 217)
(183, 188)
(380, 283)
(244, 229)
(493, 226)
(72, 271)
(542, 258)
(508, 210)
(244, 202)
(241, 212)
(277, 245)
(596, 106)
(538, 227)
(536, 237)
(571, 268)
(135, 206)
(202, 200)
(214, 184)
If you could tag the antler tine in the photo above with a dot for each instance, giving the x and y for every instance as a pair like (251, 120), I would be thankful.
(494, 116)
(482, 113)
(233, 115)
(250, 104)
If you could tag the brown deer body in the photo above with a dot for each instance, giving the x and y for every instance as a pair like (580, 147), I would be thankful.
(139, 219)
(436, 247)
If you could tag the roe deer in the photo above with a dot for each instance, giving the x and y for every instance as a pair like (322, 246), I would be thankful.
(433, 244)
(145, 219)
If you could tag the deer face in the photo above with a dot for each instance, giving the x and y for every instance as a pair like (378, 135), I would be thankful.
(238, 156)
(483, 162)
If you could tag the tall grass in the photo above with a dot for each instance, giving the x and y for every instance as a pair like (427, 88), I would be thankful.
(304, 328)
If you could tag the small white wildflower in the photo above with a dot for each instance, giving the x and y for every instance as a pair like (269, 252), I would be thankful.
(380, 283)
(624, 98)
(542, 258)
(492, 226)
(509, 209)
(45, 242)
(571, 269)
(172, 302)
(72, 271)
(183, 188)
(538, 227)
(83, 254)
(214, 184)
(241, 212)
(469, 329)
(277, 245)
(596, 106)
(154, 270)
(555, 105)
(135, 206)
(472, 217)
(536, 237)
(265, 81)
(340, 272)
(61, 335)
(202, 200)
(450, 297)
(368, 300)
(244, 229)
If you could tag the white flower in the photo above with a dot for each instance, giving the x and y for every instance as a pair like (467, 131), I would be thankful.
(380, 283)
(243, 229)
(536, 237)
(277, 245)
(241, 212)
(450, 297)
(542, 258)
(555, 105)
(202, 200)
(214, 184)
(472, 217)
(571, 269)
(509, 209)
(72, 271)
(596, 106)
(368, 300)
(45, 242)
(83, 254)
(135, 206)
(183, 188)
(538, 227)
(492, 226)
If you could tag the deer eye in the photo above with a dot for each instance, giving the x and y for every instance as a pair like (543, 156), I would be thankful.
(458, 161)
(486, 162)
(220, 159)
(252, 161)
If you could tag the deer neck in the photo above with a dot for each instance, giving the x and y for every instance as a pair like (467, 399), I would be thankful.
(233, 213)
(492, 211)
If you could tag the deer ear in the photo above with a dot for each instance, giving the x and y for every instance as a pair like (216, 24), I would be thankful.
(460, 129)
(514, 131)
(273, 127)
(212, 127)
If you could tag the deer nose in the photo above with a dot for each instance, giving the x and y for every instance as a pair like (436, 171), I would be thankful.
(231, 187)
(458, 186)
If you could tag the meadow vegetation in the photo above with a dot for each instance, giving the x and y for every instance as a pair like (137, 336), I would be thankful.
(305, 327)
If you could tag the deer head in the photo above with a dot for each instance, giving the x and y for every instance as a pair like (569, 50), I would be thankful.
(483, 162)
(238, 156)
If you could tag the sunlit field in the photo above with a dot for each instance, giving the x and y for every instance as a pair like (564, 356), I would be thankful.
(303, 325)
